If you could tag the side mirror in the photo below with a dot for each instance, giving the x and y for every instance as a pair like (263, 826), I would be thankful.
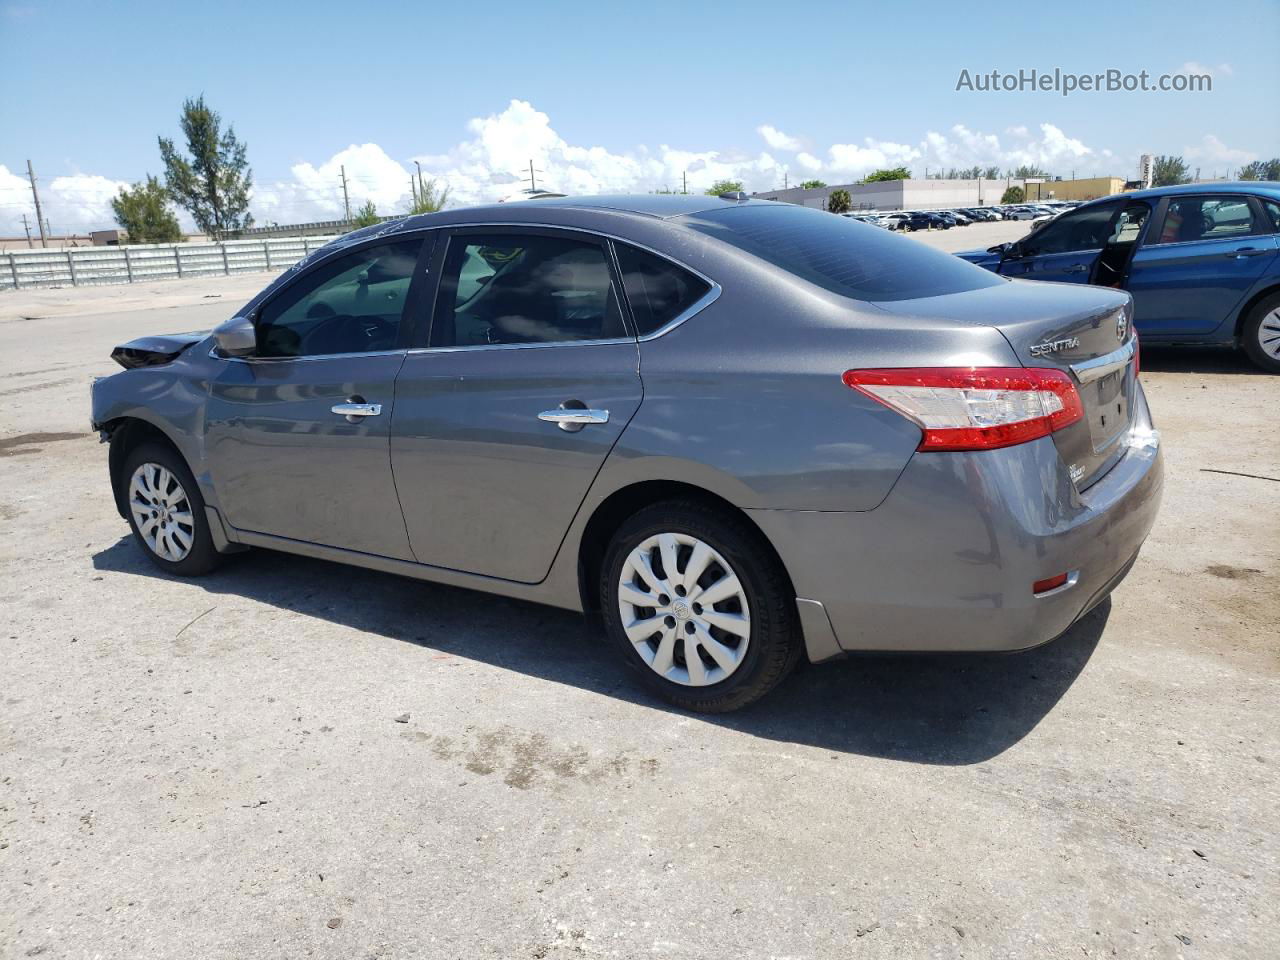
(1007, 251)
(236, 337)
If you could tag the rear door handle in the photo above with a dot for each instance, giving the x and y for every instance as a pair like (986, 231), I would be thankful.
(355, 411)
(572, 418)
(1242, 252)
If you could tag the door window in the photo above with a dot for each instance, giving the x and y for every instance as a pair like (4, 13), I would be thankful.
(352, 304)
(513, 288)
(1087, 229)
(1272, 210)
(1190, 219)
(657, 290)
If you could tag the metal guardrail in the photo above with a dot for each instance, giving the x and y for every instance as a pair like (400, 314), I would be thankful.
(84, 266)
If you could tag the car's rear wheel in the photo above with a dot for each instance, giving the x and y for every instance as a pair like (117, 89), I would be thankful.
(166, 512)
(1262, 334)
(695, 601)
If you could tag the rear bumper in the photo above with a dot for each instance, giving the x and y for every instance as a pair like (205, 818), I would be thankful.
(947, 561)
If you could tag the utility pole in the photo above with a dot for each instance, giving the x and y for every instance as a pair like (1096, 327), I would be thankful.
(27, 227)
(785, 182)
(684, 182)
(40, 223)
(413, 189)
(346, 200)
(533, 185)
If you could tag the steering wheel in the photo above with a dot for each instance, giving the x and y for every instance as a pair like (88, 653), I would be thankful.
(347, 334)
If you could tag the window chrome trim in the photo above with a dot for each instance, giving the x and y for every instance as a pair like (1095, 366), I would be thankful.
(213, 352)
(1090, 370)
(696, 307)
(1185, 243)
(458, 348)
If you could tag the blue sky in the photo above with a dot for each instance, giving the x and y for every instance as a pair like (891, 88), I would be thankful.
(609, 96)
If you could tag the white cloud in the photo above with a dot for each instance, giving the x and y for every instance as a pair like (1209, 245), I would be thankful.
(72, 204)
(1192, 66)
(1215, 155)
(492, 158)
(777, 140)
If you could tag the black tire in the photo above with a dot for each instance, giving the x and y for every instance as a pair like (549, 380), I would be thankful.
(774, 643)
(1253, 332)
(202, 555)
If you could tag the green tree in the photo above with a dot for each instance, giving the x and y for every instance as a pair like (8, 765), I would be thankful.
(990, 173)
(143, 213)
(213, 185)
(1029, 170)
(1261, 170)
(812, 185)
(724, 186)
(366, 216)
(1169, 171)
(430, 199)
(1013, 195)
(839, 201)
(896, 173)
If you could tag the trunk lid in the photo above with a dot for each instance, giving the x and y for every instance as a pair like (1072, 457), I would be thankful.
(1083, 330)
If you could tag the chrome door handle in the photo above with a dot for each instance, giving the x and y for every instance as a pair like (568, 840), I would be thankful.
(1241, 252)
(1078, 268)
(574, 416)
(354, 411)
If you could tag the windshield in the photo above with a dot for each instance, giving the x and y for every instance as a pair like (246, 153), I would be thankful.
(841, 255)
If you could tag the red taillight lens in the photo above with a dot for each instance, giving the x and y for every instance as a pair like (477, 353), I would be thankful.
(974, 408)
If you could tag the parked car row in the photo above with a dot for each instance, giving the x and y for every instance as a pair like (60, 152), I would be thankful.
(909, 220)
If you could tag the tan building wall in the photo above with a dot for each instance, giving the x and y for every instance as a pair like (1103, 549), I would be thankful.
(1088, 189)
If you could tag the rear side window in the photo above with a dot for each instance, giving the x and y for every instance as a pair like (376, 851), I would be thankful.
(514, 288)
(1189, 219)
(846, 257)
(657, 290)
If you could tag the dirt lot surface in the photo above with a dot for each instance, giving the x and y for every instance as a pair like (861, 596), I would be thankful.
(289, 758)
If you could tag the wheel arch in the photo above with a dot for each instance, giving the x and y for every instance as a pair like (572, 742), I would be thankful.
(614, 510)
(125, 435)
(1242, 315)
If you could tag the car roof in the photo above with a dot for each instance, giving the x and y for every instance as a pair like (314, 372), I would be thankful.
(1268, 188)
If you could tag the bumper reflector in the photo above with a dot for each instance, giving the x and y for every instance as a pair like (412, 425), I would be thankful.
(1049, 583)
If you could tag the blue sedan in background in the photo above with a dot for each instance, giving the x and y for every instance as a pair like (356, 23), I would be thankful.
(1201, 260)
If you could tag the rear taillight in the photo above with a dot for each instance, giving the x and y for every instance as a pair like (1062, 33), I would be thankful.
(974, 408)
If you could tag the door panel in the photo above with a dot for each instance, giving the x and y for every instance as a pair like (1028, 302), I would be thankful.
(487, 487)
(284, 464)
(1192, 288)
(1073, 267)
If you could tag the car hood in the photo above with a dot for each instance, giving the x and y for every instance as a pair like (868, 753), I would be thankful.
(154, 350)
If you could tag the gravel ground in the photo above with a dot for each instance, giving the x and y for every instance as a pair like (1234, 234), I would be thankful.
(291, 758)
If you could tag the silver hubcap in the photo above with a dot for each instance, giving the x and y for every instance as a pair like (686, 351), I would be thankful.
(684, 609)
(1269, 334)
(161, 512)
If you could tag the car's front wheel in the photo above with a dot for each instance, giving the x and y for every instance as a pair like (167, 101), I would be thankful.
(695, 600)
(166, 512)
(1262, 334)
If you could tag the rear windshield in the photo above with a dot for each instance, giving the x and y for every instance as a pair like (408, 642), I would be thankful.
(844, 256)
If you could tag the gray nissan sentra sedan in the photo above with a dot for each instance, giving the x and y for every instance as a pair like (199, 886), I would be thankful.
(744, 432)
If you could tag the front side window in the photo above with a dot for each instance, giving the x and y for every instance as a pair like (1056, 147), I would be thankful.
(1087, 229)
(513, 288)
(657, 290)
(1190, 219)
(352, 304)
